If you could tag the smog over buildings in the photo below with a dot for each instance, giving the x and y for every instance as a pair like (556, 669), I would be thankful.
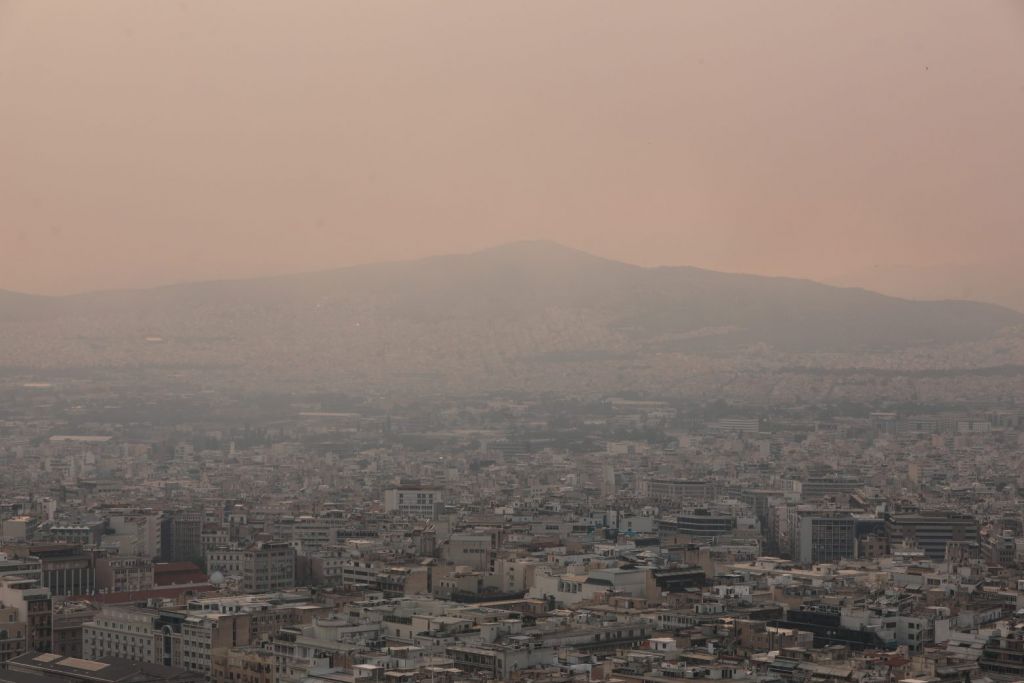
(459, 342)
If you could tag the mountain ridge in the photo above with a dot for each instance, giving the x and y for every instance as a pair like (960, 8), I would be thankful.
(514, 314)
(518, 249)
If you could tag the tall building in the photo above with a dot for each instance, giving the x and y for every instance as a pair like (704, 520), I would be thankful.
(186, 537)
(823, 536)
(136, 533)
(268, 567)
(412, 501)
(702, 525)
(932, 530)
(608, 487)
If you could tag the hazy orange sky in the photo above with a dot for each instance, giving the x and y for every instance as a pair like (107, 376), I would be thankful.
(152, 142)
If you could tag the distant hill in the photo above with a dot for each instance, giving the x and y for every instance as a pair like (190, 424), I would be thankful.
(17, 307)
(496, 315)
(998, 283)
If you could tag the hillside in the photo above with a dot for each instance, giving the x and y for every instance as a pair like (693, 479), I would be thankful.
(493, 316)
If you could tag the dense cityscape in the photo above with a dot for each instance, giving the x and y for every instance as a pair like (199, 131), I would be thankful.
(325, 537)
(557, 341)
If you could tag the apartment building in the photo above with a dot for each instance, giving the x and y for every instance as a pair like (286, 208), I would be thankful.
(263, 567)
(126, 632)
(119, 574)
(32, 605)
(135, 533)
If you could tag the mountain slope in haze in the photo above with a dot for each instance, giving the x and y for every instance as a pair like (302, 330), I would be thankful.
(492, 314)
(997, 282)
(16, 307)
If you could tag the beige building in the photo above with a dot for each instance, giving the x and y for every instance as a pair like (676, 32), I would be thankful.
(263, 567)
(33, 606)
(120, 574)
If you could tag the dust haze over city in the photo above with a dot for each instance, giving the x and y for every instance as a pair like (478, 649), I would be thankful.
(353, 342)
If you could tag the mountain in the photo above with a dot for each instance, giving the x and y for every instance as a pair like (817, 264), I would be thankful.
(996, 282)
(492, 318)
(16, 307)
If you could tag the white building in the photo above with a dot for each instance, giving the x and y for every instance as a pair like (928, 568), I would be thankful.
(416, 502)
